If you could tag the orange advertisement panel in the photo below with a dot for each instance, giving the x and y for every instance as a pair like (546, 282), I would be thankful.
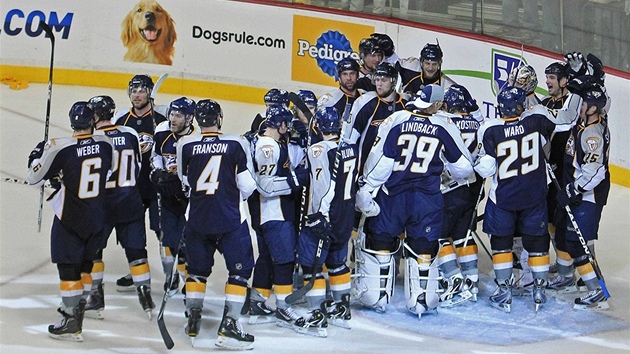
(318, 44)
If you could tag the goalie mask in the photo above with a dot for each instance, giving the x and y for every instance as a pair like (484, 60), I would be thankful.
(509, 101)
(103, 106)
(524, 77)
(81, 115)
(208, 113)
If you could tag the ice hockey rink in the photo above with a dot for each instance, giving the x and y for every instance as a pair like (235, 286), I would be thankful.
(29, 290)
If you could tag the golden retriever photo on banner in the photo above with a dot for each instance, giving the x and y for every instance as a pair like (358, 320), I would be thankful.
(148, 33)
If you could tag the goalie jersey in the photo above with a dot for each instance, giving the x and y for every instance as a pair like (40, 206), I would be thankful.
(217, 169)
(83, 162)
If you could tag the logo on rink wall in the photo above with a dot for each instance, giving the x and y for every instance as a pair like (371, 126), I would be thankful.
(16, 20)
(502, 64)
(318, 44)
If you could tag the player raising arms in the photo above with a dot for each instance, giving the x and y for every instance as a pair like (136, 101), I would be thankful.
(330, 216)
(81, 166)
(125, 212)
(217, 169)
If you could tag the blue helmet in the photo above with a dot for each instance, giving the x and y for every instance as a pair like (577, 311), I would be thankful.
(509, 99)
(208, 113)
(81, 115)
(276, 96)
(276, 114)
(431, 52)
(595, 96)
(103, 106)
(454, 98)
(183, 105)
(347, 63)
(141, 81)
(328, 120)
(308, 97)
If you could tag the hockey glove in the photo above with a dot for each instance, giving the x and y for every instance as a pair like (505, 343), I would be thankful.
(298, 178)
(320, 227)
(55, 182)
(366, 204)
(36, 153)
(577, 63)
(570, 195)
(156, 175)
(170, 185)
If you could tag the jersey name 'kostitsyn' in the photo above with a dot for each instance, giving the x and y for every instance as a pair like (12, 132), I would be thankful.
(334, 198)
(586, 160)
(217, 169)
(84, 163)
(511, 151)
(123, 197)
(415, 150)
(468, 125)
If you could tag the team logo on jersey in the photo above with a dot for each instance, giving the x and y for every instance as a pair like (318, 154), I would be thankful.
(319, 43)
(569, 148)
(593, 143)
(267, 151)
(502, 64)
(317, 151)
(146, 142)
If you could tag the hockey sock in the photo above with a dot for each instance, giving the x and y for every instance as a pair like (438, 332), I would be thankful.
(339, 279)
(565, 264)
(196, 291)
(587, 273)
(86, 279)
(168, 261)
(502, 262)
(539, 264)
(447, 260)
(282, 291)
(140, 272)
(234, 299)
(98, 270)
(71, 292)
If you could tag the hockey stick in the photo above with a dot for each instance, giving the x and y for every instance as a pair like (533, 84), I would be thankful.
(587, 251)
(23, 182)
(473, 219)
(297, 101)
(294, 296)
(44, 26)
(166, 337)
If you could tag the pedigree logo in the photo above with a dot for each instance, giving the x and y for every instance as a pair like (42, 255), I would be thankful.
(318, 44)
(502, 64)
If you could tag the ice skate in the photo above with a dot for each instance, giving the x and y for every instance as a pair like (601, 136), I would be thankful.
(422, 307)
(593, 300)
(231, 335)
(260, 313)
(70, 326)
(455, 292)
(502, 297)
(286, 317)
(473, 287)
(144, 296)
(194, 324)
(314, 324)
(125, 284)
(539, 293)
(563, 285)
(96, 304)
(339, 314)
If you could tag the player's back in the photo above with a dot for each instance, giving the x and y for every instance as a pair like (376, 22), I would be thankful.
(211, 162)
(520, 181)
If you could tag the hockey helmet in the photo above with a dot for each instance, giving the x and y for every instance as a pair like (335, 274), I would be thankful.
(558, 68)
(595, 96)
(369, 46)
(308, 97)
(277, 96)
(81, 115)
(385, 42)
(524, 77)
(103, 106)
(386, 70)
(183, 105)
(328, 120)
(509, 100)
(208, 113)
(347, 63)
(431, 52)
(141, 80)
(276, 114)
(454, 99)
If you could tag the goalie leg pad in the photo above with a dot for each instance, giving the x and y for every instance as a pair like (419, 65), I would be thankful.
(421, 299)
(374, 278)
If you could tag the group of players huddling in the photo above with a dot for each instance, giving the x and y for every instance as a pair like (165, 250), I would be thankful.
(398, 153)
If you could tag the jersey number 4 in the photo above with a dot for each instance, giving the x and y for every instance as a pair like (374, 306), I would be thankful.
(209, 178)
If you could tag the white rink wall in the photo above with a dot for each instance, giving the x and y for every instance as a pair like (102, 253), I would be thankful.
(237, 51)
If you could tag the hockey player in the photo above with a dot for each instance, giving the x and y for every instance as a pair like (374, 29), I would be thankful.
(401, 189)
(511, 152)
(461, 197)
(417, 73)
(333, 174)
(173, 202)
(143, 118)
(347, 93)
(80, 166)
(125, 211)
(371, 109)
(217, 170)
(277, 183)
(387, 45)
(371, 55)
(586, 184)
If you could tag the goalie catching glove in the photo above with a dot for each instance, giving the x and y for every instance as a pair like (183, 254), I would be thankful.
(366, 204)
(167, 184)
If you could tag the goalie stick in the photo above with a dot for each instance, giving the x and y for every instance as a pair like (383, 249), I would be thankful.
(587, 251)
(44, 27)
(294, 296)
